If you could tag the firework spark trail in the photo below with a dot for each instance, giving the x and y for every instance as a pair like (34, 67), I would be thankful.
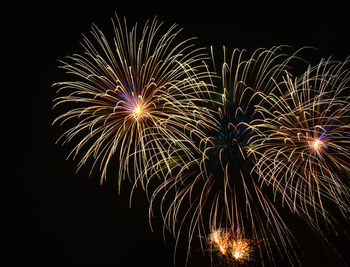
(128, 92)
(216, 187)
(304, 140)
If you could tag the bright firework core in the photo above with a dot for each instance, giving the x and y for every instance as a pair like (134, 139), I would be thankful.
(137, 112)
(316, 144)
(240, 249)
(237, 255)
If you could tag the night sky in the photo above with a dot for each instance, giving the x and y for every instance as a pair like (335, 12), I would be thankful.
(56, 217)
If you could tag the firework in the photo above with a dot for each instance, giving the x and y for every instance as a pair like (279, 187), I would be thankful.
(223, 140)
(127, 92)
(304, 140)
(220, 240)
(232, 247)
(216, 187)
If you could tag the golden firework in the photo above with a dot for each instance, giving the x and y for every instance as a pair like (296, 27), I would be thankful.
(128, 96)
(215, 185)
(232, 246)
(304, 137)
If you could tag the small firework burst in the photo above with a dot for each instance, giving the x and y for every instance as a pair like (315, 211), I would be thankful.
(128, 93)
(233, 247)
(220, 240)
(240, 250)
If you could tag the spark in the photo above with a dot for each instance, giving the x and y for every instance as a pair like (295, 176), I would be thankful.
(237, 255)
(137, 112)
(220, 239)
(316, 144)
(240, 249)
(233, 246)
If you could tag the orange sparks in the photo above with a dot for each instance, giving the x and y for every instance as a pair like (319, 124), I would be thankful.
(220, 239)
(240, 249)
(237, 255)
(234, 246)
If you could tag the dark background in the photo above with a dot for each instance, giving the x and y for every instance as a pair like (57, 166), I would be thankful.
(56, 217)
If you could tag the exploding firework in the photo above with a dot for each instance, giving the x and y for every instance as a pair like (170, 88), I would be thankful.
(304, 140)
(232, 247)
(216, 188)
(220, 240)
(128, 92)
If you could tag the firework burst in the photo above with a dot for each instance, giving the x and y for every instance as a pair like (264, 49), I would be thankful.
(128, 92)
(304, 140)
(232, 247)
(216, 187)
